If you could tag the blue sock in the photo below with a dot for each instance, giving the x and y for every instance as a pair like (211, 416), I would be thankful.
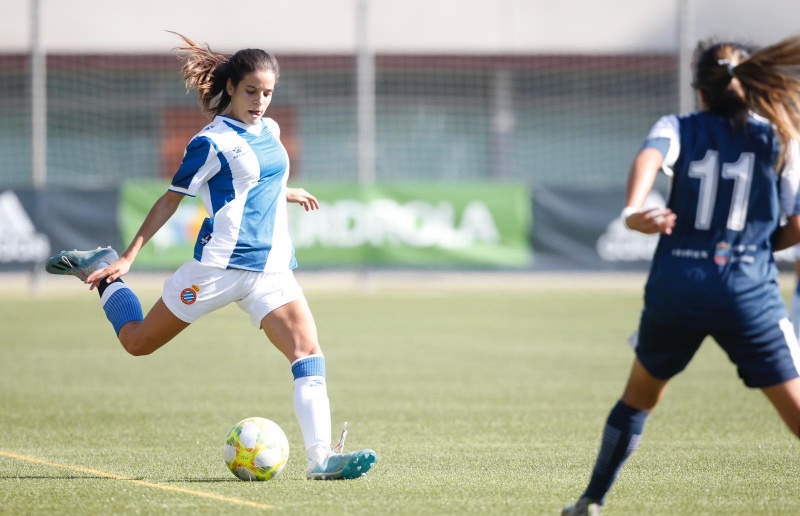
(621, 437)
(121, 305)
(313, 365)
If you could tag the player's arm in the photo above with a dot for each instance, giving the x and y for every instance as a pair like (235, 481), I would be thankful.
(159, 214)
(200, 163)
(642, 176)
(787, 235)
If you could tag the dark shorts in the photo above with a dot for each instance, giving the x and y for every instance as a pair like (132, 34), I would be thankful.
(764, 356)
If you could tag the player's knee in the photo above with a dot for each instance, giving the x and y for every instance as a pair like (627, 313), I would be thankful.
(138, 351)
(135, 349)
(136, 346)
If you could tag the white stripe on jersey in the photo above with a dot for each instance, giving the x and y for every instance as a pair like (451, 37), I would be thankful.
(282, 248)
(791, 341)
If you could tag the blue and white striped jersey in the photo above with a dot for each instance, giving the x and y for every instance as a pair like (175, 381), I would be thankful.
(716, 269)
(240, 172)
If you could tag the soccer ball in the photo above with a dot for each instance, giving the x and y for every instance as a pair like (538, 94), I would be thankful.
(256, 449)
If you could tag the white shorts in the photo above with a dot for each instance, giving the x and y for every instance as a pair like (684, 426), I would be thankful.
(197, 289)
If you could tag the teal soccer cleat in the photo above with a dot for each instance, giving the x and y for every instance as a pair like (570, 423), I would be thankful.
(341, 466)
(81, 263)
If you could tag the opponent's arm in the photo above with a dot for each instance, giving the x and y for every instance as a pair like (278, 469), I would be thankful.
(641, 178)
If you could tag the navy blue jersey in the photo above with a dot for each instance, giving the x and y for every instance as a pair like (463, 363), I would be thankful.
(716, 269)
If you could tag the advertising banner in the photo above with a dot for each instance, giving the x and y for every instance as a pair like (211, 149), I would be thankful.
(424, 225)
(35, 224)
(419, 226)
(581, 229)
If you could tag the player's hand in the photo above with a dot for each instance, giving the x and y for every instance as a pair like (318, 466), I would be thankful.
(652, 221)
(303, 198)
(108, 273)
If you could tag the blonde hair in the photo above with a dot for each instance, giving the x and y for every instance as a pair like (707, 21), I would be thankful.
(735, 78)
(208, 72)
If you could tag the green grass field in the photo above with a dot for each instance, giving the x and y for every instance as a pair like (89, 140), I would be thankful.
(478, 400)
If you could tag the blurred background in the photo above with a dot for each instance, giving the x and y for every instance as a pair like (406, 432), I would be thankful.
(488, 134)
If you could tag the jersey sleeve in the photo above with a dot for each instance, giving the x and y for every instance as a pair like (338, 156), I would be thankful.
(790, 180)
(665, 137)
(200, 163)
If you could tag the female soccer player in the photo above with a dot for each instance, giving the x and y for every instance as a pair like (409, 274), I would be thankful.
(243, 252)
(734, 165)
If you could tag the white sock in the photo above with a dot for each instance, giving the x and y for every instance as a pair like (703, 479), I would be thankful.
(311, 405)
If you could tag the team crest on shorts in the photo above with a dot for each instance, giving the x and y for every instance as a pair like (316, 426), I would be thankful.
(722, 255)
(189, 295)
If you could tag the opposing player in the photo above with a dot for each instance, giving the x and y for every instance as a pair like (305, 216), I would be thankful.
(734, 166)
(243, 253)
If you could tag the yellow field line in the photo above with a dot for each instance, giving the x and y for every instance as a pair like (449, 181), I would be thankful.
(99, 473)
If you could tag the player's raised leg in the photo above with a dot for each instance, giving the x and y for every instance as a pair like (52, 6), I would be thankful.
(119, 302)
(160, 326)
(139, 335)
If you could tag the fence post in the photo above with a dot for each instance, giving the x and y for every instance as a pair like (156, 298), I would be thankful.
(365, 91)
(38, 59)
(686, 43)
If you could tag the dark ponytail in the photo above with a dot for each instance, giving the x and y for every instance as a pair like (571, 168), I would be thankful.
(208, 72)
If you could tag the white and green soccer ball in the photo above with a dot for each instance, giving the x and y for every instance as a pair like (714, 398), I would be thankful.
(256, 449)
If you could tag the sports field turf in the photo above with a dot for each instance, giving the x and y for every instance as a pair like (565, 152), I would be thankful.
(487, 399)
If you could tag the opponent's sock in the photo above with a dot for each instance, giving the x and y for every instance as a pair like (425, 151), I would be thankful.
(311, 405)
(120, 304)
(621, 437)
